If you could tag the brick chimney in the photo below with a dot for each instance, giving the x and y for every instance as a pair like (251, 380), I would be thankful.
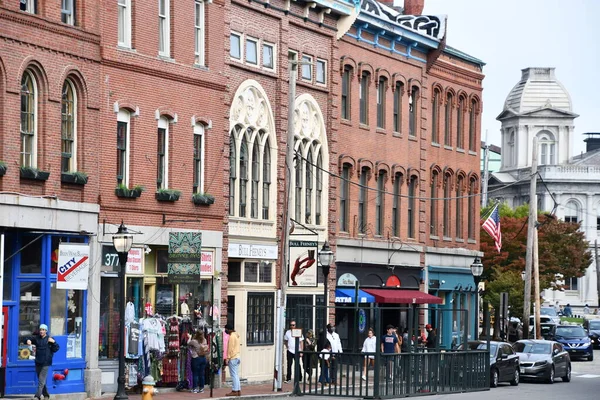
(413, 7)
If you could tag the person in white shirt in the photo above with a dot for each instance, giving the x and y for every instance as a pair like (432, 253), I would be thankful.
(369, 346)
(336, 349)
(290, 342)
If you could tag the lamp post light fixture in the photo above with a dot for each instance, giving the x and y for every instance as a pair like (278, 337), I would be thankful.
(325, 258)
(523, 275)
(477, 271)
(122, 240)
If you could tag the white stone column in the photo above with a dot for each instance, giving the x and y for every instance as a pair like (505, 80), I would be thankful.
(93, 374)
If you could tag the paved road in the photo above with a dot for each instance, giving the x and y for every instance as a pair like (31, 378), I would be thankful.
(585, 385)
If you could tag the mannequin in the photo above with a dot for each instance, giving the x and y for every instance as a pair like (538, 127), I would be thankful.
(185, 309)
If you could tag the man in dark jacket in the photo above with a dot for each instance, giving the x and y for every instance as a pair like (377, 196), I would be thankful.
(45, 347)
(431, 338)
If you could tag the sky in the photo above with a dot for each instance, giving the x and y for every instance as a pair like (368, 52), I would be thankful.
(509, 35)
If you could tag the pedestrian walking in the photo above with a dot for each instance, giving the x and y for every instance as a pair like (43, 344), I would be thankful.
(431, 341)
(233, 360)
(290, 343)
(325, 355)
(336, 351)
(45, 347)
(308, 359)
(198, 350)
(369, 346)
(389, 346)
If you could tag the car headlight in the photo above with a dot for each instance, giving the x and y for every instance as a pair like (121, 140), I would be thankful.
(585, 344)
(540, 363)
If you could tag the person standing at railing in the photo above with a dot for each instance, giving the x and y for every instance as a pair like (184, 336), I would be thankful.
(389, 346)
(369, 346)
(309, 360)
(336, 350)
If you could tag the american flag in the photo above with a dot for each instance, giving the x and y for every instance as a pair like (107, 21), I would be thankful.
(492, 226)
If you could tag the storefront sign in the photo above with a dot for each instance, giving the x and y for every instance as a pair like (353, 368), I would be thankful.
(207, 265)
(73, 266)
(347, 279)
(135, 260)
(303, 263)
(184, 257)
(259, 251)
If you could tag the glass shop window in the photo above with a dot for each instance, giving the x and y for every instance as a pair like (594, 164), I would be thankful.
(164, 300)
(162, 256)
(29, 310)
(135, 295)
(31, 254)
(108, 336)
(66, 318)
(8, 271)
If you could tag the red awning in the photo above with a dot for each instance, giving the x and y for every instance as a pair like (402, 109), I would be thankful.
(402, 296)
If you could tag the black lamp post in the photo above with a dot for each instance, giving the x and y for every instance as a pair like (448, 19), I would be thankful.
(477, 270)
(325, 258)
(122, 241)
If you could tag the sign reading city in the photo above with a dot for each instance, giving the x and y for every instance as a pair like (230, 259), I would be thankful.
(73, 266)
(185, 257)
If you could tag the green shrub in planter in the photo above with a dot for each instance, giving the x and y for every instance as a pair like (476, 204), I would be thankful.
(2, 168)
(78, 178)
(124, 192)
(167, 195)
(34, 174)
(203, 199)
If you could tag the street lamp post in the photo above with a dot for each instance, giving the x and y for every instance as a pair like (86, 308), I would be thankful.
(122, 241)
(477, 270)
(325, 258)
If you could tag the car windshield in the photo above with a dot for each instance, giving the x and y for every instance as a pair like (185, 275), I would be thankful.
(548, 311)
(532, 348)
(595, 324)
(570, 332)
(482, 346)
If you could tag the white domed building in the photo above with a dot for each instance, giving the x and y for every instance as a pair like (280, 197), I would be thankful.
(540, 106)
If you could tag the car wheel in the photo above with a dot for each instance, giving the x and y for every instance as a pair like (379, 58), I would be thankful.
(591, 357)
(567, 377)
(517, 375)
(494, 378)
(551, 376)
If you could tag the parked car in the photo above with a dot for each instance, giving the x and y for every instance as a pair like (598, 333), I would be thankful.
(504, 361)
(543, 360)
(575, 341)
(550, 312)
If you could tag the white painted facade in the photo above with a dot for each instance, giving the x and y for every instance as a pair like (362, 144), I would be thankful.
(539, 106)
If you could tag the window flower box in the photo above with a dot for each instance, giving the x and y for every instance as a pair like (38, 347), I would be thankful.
(76, 178)
(34, 174)
(2, 168)
(124, 192)
(203, 199)
(167, 195)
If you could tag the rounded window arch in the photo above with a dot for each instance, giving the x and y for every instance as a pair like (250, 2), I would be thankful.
(29, 119)
(68, 127)
(546, 148)
(512, 148)
(572, 212)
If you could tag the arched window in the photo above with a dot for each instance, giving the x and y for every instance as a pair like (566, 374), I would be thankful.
(447, 196)
(433, 213)
(398, 93)
(460, 125)
(244, 163)
(435, 121)
(473, 126)
(199, 158)
(380, 204)
(547, 148)
(572, 212)
(345, 197)
(266, 180)
(29, 101)
(396, 205)
(381, 89)
(299, 179)
(309, 188)
(68, 128)
(511, 157)
(363, 196)
(162, 174)
(448, 120)
(346, 92)
(413, 111)
(459, 208)
(232, 170)
(412, 210)
(364, 98)
(319, 197)
(256, 171)
(472, 211)
(123, 120)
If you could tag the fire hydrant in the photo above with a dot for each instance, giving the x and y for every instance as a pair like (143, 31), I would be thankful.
(148, 388)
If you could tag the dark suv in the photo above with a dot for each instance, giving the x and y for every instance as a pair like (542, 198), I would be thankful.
(575, 340)
(593, 327)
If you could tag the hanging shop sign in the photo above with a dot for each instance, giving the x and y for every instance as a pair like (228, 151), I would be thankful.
(207, 265)
(303, 263)
(135, 260)
(73, 266)
(184, 259)
(347, 279)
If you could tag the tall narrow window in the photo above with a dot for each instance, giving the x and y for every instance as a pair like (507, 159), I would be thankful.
(321, 75)
(29, 6)
(396, 205)
(268, 60)
(162, 173)
(67, 11)
(123, 147)
(124, 23)
(68, 128)
(380, 204)
(307, 68)
(298, 199)
(460, 115)
(572, 212)
(266, 180)
(319, 196)
(308, 189)
(346, 93)
(28, 120)
(164, 28)
(381, 103)
(255, 180)
(433, 228)
(345, 198)
(448, 120)
(447, 195)
(362, 201)
(459, 208)
(364, 99)
(435, 121)
(472, 126)
(244, 160)
(252, 51)
(412, 212)
(412, 111)
(199, 159)
(398, 106)
(235, 46)
(232, 171)
(199, 32)
(471, 209)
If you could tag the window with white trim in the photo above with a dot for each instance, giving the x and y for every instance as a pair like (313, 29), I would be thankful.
(307, 67)
(252, 51)
(164, 28)
(199, 39)
(198, 158)
(29, 114)
(29, 6)
(162, 154)
(572, 212)
(266, 180)
(256, 173)
(268, 56)
(259, 320)
(235, 46)
(123, 129)
(321, 72)
(68, 128)
(124, 23)
(67, 12)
